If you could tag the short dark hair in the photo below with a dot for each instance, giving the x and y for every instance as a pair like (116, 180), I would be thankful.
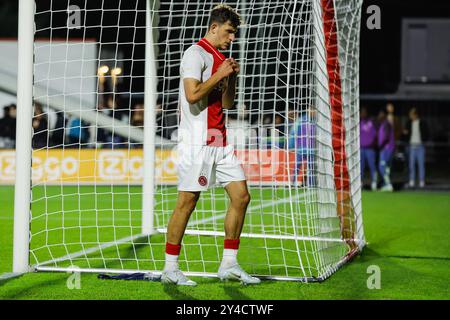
(223, 13)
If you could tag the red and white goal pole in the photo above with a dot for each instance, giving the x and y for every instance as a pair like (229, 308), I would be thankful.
(345, 209)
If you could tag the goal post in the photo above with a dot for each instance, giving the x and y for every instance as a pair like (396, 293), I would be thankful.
(22, 195)
(150, 99)
(99, 199)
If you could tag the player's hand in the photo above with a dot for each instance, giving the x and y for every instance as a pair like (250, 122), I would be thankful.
(235, 65)
(225, 69)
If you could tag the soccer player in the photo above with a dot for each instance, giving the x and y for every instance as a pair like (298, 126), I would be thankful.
(207, 85)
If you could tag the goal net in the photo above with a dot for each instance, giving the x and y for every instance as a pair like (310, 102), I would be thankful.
(103, 184)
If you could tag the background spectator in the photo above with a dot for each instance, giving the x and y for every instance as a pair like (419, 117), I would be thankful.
(137, 115)
(8, 127)
(77, 132)
(40, 127)
(265, 133)
(276, 134)
(108, 138)
(386, 145)
(137, 120)
(302, 139)
(280, 126)
(57, 134)
(394, 121)
(416, 132)
(368, 133)
(239, 131)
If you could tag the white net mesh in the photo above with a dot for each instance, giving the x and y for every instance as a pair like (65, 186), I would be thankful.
(87, 160)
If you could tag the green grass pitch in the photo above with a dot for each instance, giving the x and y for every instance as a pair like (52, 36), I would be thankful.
(408, 236)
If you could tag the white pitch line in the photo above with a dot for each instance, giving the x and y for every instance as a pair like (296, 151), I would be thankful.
(93, 249)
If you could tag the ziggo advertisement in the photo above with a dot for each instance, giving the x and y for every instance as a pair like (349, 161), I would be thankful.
(88, 166)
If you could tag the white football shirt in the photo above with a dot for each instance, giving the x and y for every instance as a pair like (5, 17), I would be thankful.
(202, 123)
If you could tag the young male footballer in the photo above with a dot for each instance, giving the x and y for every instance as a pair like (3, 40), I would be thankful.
(207, 86)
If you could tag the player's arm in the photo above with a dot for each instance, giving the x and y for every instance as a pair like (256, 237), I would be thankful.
(230, 88)
(196, 90)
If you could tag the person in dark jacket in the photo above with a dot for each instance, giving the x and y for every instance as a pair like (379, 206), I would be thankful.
(416, 133)
(40, 127)
(57, 135)
(8, 127)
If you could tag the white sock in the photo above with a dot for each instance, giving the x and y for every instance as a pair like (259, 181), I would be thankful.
(171, 262)
(229, 258)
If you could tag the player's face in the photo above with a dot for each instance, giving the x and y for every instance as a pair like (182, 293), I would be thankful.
(226, 34)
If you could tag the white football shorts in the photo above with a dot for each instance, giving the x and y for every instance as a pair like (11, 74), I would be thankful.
(199, 167)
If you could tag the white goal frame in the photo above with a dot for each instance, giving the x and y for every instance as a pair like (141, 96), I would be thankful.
(24, 154)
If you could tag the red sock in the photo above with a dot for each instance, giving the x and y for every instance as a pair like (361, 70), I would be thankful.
(173, 249)
(231, 244)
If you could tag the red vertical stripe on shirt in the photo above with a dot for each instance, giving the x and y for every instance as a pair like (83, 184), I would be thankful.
(217, 133)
